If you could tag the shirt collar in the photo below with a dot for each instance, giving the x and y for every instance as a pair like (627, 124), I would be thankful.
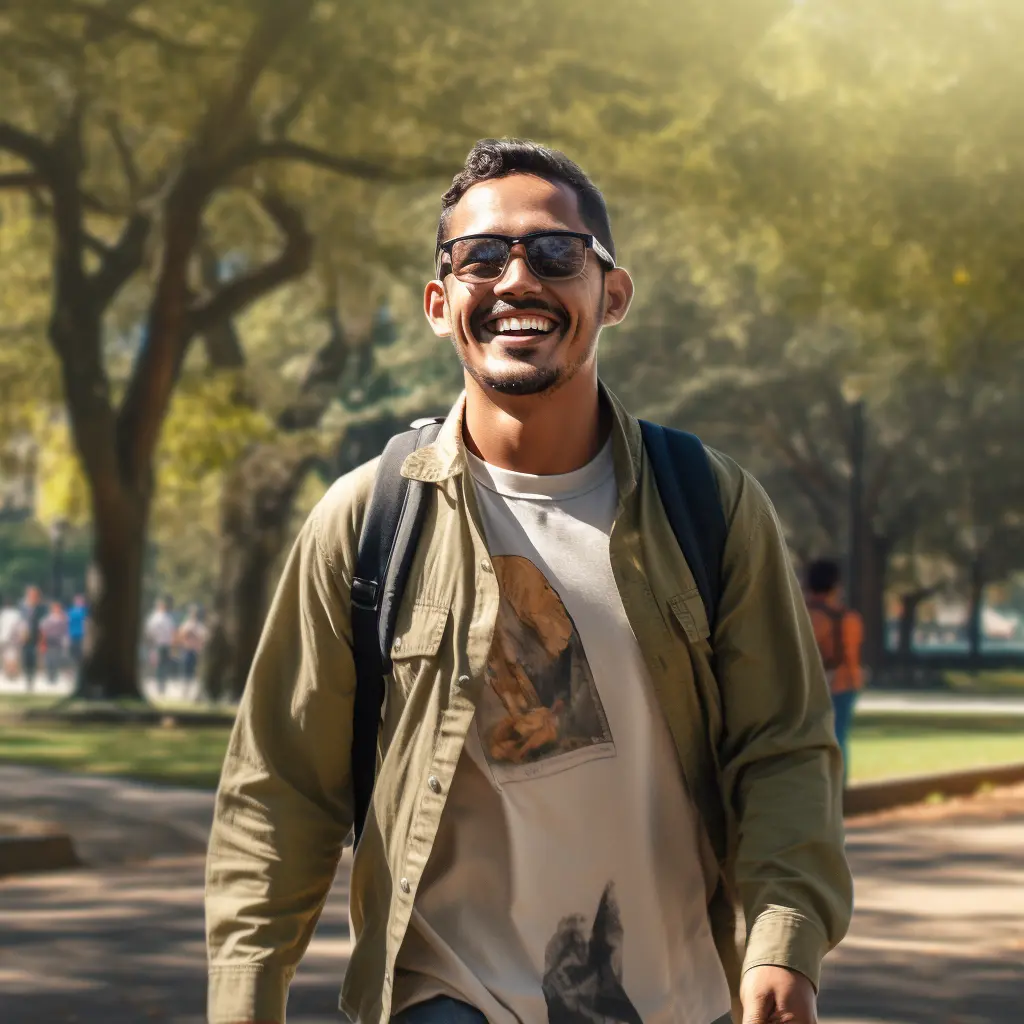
(445, 457)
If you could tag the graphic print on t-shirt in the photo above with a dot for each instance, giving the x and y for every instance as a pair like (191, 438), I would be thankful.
(583, 974)
(540, 712)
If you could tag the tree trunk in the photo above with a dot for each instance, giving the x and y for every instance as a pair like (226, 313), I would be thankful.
(255, 516)
(976, 600)
(111, 667)
(874, 570)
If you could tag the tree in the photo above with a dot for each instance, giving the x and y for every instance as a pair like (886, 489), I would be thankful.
(135, 121)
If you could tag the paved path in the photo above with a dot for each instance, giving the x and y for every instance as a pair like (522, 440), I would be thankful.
(937, 937)
(938, 704)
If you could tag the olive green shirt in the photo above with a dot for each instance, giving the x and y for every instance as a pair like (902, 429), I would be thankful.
(748, 710)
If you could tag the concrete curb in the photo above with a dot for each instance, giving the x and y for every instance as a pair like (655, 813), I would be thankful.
(869, 797)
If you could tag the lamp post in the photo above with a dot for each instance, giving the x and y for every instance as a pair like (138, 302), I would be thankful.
(58, 530)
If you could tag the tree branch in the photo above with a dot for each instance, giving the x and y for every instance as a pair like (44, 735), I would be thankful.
(321, 379)
(172, 323)
(121, 260)
(293, 261)
(33, 149)
(350, 166)
(20, 180)
(106, 22)
(126, 156)
(223, 348)
(222, 121)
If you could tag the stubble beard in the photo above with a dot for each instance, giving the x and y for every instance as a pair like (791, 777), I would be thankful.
(523, 379)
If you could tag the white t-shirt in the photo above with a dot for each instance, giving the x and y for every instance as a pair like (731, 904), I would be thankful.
(160, 629)
(566, 881)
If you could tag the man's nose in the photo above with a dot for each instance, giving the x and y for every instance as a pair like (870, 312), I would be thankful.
(518, 278)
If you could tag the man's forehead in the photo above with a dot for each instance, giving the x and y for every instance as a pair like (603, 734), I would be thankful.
(515, 205)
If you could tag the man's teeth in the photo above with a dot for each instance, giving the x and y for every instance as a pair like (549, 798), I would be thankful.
(526, 323)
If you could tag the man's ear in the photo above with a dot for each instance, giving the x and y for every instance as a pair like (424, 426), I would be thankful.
(435, 307)
(618, 294)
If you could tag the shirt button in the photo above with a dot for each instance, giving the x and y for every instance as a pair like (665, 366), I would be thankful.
(463, 680)
(434, 783)
(404, 885)
(398, 643)
(486, 566)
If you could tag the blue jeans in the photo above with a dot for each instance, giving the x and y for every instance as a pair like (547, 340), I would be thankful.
(442, 1010)
(842, 705)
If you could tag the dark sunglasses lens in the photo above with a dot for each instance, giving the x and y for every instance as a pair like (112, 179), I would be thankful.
(479, 259)
(556, 255)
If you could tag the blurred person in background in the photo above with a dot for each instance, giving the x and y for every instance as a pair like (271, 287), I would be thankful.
(33, 611)
(572, 791)
(54, 632)
(11, 628)
(78, 615)
(839, 632)
(192, 637)
(160, 631)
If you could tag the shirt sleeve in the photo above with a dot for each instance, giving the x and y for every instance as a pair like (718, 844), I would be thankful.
(780, 766)
(284, 805)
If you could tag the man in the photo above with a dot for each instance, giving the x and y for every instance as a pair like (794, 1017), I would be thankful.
(568, 796)
(11, 633)
(54, 632)
(33, 611)
(160, 630)
(839, 632)
(78, 615)
(192, 637)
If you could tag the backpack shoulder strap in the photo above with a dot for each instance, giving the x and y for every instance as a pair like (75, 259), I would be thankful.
(689, 492)
(391, 529)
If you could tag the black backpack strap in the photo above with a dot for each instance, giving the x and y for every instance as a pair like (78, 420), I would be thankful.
(689, 492)
(391, 528)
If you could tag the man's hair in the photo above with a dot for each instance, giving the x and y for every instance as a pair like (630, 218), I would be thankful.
(823, 576)
(498, 158)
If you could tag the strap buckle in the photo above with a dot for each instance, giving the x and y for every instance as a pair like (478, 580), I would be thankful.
(364, 594)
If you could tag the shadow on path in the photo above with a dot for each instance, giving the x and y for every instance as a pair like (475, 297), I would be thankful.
(937, 936)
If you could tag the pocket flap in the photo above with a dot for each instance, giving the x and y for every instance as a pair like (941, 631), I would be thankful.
(688, 609)
(422, 635)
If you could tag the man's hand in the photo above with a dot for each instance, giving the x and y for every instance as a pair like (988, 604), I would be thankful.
(776, 995)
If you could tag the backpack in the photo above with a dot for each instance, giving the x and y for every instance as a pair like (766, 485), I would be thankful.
(832, 647)
(387, 544)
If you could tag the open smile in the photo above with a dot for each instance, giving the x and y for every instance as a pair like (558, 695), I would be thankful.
(525, 326)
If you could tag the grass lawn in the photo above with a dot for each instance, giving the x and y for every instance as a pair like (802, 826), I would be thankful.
(178, 756)
(192, 756)
(1008, 682)
(882, 749)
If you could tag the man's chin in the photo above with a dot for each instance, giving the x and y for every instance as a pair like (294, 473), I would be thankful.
(521, 379)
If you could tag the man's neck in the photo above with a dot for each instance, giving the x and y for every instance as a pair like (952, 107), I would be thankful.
(546, 434)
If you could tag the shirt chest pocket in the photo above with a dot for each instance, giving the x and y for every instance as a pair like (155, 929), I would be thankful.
(415, 648)
(689, 612)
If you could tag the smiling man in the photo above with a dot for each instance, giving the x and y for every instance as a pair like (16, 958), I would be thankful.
(582, 767)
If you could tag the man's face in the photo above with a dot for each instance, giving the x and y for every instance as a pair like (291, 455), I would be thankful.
(520, 335)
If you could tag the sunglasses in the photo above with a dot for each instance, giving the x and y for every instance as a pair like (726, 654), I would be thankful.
(550, 255)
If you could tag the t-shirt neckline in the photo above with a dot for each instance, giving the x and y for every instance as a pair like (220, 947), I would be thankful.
(555, 487)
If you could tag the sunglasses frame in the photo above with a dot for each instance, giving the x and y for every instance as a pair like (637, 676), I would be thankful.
(445, 248)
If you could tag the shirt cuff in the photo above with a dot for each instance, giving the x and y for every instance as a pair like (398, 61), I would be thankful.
(781, 937)
(244, 993)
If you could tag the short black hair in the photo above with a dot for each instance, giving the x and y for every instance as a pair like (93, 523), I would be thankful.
(823, 576)
(498, 158)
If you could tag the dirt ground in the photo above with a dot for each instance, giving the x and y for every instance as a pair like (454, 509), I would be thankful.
(938, 934)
